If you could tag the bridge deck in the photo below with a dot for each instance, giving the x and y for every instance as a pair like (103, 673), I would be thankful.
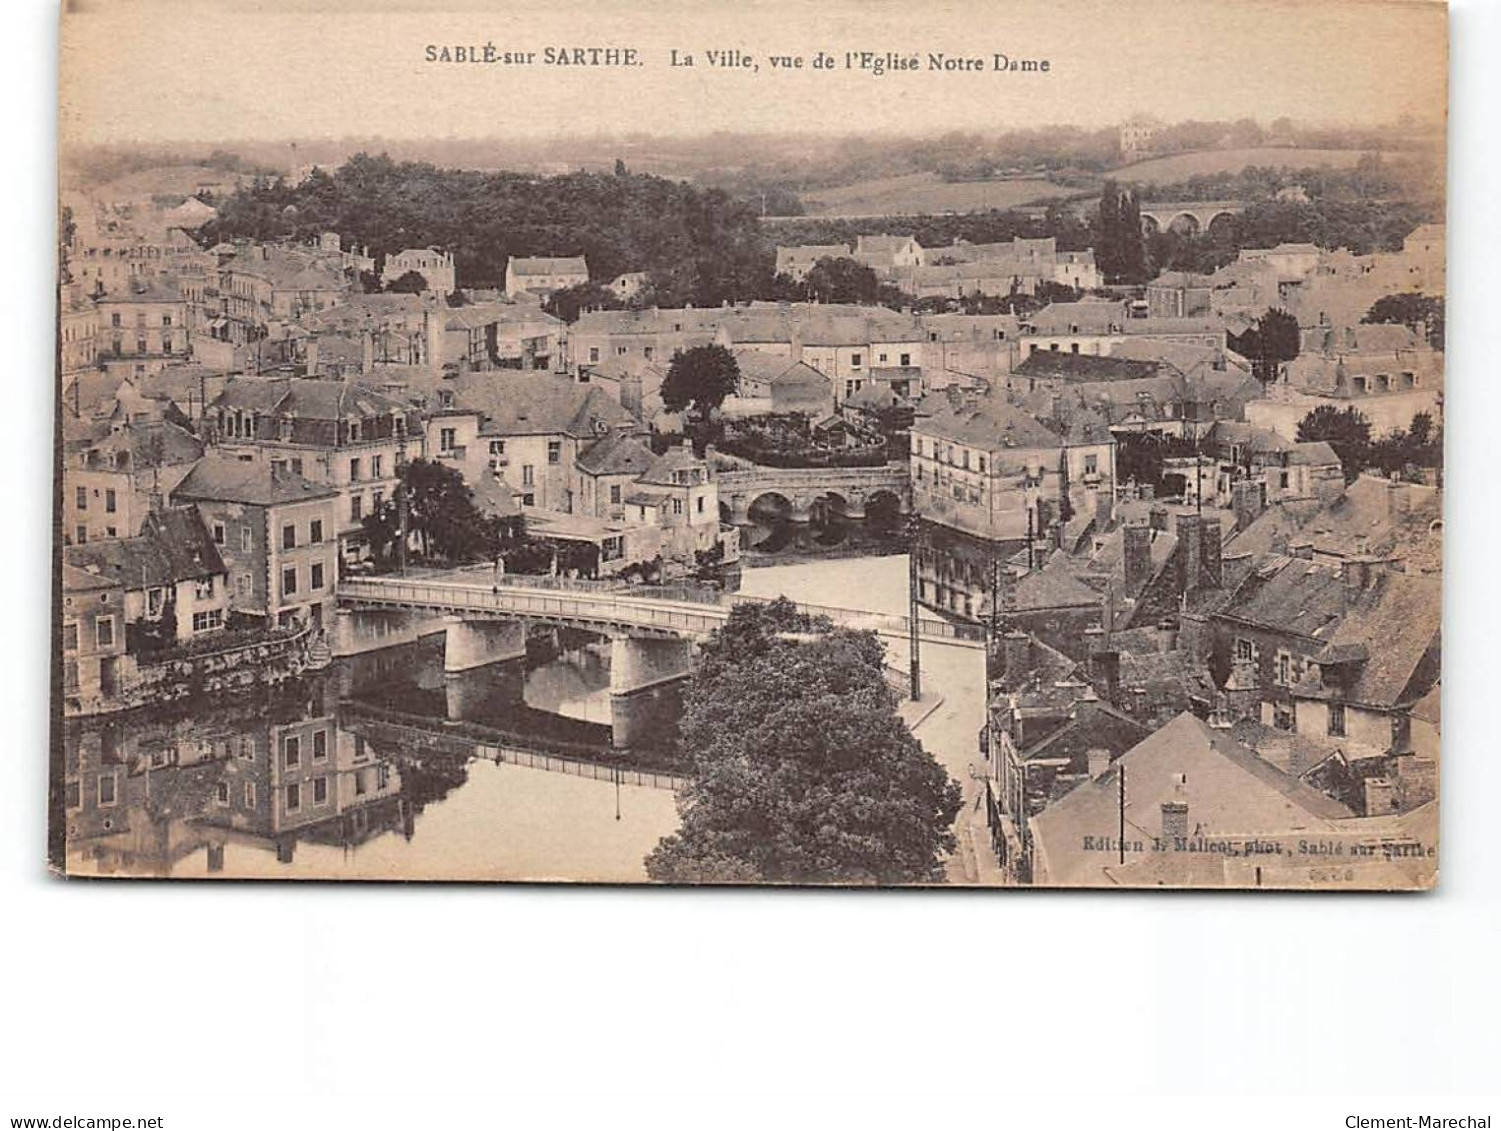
(613, 608)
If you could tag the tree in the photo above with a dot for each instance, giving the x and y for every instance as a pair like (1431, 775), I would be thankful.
(1347, 431)
(569, 302)
(441, 516)
(841, 280)
(702, 377)
(1423, 314)
(1121, 246)
(802, 770)
(1273, 341)
(411, 283)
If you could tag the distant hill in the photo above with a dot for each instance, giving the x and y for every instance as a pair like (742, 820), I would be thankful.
(917, 194)
(1182, 166)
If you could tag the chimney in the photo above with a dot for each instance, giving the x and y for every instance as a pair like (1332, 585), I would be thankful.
(1167, 635)
(795, 342)
(1247, 502)
(1094, 644)
(1174, 819)
(1107, 665)
(1398, 500)
(312, 357)
(432, 333)
(1157, 517)
(367, 351)
(1211, 553)
(1099, 762)
(1190, 552)
(1137, 554)
(1018, 647)
(1357, 574)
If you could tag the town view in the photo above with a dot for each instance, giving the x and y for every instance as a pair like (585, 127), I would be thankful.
(1055, 506)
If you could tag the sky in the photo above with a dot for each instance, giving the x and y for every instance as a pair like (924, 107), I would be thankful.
(221, 70)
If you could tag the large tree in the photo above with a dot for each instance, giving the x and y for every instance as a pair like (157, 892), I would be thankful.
(1423, 314)
(1120, 247)
(1347, 431)
(409, 283)
(441, 517)
(802, 770)
(702, 377)
(1271, 343)
(569, 302)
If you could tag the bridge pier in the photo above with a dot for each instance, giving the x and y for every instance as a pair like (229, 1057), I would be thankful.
(644, 693)
(477, 692)
(474, 644)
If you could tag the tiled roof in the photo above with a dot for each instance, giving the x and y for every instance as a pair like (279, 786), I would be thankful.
(173, 546)
(1083, 367)
(534, 404)
(616, 453)
(549, 265)
(217, 478)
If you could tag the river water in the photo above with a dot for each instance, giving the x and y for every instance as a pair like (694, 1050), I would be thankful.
(384, 768)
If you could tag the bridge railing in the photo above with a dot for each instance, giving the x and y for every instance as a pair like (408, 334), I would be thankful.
(625, 606)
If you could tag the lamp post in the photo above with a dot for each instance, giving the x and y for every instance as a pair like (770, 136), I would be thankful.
(401, 503)
(915, 669)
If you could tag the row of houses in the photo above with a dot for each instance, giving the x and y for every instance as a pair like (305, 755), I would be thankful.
(958, 271)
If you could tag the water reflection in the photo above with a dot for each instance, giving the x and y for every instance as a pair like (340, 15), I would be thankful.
(365, 771)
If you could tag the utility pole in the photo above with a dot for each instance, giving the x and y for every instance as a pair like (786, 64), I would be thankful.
(913, 530)
(1121, 800)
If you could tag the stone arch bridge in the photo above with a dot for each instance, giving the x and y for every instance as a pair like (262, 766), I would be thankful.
(1189, 218)
(796, 492)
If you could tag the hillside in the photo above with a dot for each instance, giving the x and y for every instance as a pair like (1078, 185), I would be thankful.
(1182, 166)
(916, 194)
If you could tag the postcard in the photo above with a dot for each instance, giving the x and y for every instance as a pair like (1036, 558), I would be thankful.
(992, 443)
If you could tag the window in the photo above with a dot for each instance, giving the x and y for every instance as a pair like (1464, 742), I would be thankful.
(320, 745)
(614, 492)
(221, 794)
(291, 752)
(109, 500)
(905, 359)
(356, 508)
(855, 360)
(297, 465)
(497, 447)
(106, 789)
(70, 637)
(377, 466)
(81, 498)
(204, 588)
(376, 499)
(700, 502)
(448, 438)
(81, 535)
(315, 577)
(966, 459)
(104, 632)
(354, 467)
(315, 531)
(1245, 650)
(294, 797)
(155, 598)
(528, 475)
(218, 534)
(208, 620)
(982, 465)
(593, 353)
(250, 795)
(289, 536)
(320, 790)
(242, 585)
(245, 539)
(1284, 669)
(554, 451)
(1337, 719)
(1284, 717)
(648, 352)
(289, 581)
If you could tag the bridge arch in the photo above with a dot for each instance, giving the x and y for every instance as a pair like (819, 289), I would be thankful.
(1185, 224)
(770, 505)
(1221, 222)
(1149, 224)
(883, 508)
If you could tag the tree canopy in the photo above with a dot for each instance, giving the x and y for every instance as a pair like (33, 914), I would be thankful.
(802, 770)
(1347, 431)
(1423, 314)
(569, 302)
(702, 377)
(1273, 341)
(441, 516)
(409, 283)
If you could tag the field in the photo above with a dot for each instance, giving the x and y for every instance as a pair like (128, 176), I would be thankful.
(1181, 166)
(918, 194)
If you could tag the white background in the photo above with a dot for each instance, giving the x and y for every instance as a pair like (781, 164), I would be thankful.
(241, 1005)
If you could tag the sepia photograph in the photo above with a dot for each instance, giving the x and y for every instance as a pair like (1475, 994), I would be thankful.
(690, 447)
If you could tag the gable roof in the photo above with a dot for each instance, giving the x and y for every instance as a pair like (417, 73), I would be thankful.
(1069, 366)
(537, 404)
(616, 453)
(173, 546)
(548, 265)
(218, 478)
(1229, 792)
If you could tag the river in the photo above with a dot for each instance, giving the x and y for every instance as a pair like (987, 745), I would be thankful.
(390, 771)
